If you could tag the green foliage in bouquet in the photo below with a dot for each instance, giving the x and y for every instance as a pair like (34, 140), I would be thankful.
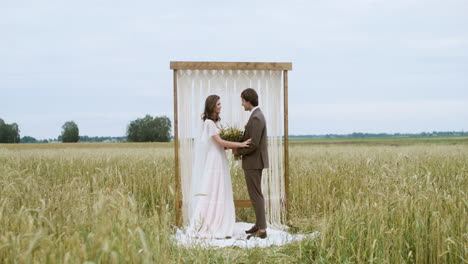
(231, 134)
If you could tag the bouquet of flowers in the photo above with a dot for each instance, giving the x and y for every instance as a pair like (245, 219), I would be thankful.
(231, 134)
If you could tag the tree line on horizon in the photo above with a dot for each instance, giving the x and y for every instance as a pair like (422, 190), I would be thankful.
(386, 135)
(157, 129)
(147, 129)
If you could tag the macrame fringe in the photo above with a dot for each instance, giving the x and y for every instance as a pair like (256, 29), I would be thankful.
(193, 88)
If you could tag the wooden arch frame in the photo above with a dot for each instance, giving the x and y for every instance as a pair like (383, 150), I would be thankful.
(198, 65)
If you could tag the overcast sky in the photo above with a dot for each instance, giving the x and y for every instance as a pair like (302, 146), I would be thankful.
(358, 65)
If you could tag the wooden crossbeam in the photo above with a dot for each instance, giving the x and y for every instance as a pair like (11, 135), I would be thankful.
(211, 65)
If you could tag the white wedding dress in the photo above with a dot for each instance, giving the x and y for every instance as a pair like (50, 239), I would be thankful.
(211, 205)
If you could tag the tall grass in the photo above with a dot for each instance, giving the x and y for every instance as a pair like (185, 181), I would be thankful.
(114, 203)
(384, 204)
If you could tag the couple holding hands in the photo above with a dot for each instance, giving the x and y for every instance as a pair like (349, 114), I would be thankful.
(211, 205)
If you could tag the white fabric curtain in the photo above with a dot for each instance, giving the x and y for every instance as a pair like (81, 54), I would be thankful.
(194, 86)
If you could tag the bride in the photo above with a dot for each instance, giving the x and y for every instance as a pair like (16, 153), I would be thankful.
(211, 211)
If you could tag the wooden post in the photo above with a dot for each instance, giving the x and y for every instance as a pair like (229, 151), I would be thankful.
(286, 142)
(176, 154)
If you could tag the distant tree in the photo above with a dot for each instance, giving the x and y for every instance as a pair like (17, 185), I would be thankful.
(163, 128)
(149, 129)
(2, 131)
(70, 132)
(28, 139)
(9, 133)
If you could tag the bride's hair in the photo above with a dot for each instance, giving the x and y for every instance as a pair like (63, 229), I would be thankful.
(210, 108)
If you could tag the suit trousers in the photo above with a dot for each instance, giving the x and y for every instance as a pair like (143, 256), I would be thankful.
(253, 178)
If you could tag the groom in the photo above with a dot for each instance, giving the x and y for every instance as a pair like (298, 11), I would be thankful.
(254, 159)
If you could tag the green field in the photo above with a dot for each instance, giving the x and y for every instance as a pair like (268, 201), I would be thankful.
(373, 200)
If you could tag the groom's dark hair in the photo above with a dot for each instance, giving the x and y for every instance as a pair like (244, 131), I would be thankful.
(250, 95)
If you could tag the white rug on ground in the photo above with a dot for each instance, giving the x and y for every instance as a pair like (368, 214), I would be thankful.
(274, 238)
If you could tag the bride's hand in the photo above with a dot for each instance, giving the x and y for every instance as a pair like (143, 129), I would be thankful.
(246, 143)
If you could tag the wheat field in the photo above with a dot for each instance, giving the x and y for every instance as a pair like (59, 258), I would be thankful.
(114, 203)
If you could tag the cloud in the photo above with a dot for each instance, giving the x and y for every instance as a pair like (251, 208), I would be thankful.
(93, 60)
(441, 44)
(389, 111)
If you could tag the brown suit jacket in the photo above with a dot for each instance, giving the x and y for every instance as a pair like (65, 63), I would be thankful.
(255, 156)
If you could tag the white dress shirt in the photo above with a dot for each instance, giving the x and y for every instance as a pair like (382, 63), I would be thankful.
(253, 109)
